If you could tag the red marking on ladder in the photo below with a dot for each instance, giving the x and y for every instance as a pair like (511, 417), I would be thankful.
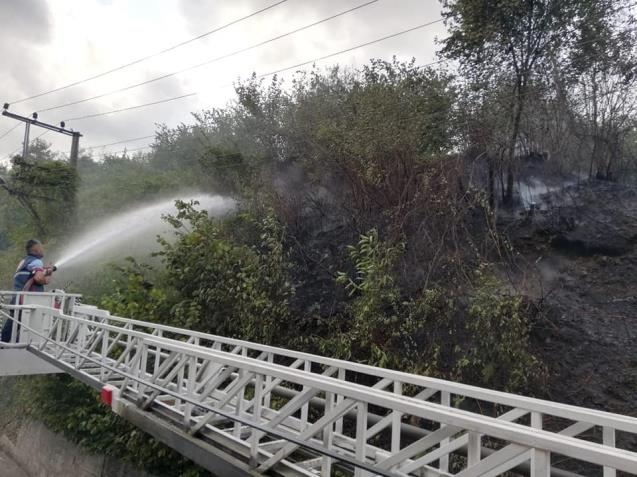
(107, 395)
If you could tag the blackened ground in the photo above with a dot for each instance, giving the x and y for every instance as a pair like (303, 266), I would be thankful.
(583, 250)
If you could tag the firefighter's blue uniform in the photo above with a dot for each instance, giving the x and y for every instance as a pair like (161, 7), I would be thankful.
(26, 269)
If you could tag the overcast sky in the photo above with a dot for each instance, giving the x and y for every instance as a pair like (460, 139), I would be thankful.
(45, 44)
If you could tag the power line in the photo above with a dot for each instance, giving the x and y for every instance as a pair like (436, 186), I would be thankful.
(161, 52)
(213, 60)
(217, 156)
(9, 131)
(114, 153)
(314, 60)
(121, 142)
(384, 38)
(99, 146)
(175, 98)
(8, 156)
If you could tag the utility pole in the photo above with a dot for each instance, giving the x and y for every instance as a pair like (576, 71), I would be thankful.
(75, 135)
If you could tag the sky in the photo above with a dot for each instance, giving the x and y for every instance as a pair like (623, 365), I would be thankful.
(46, 44)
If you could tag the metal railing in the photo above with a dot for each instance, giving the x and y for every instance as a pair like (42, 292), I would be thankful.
(293, 413)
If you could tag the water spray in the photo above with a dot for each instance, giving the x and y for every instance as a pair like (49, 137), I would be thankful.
(131, 232)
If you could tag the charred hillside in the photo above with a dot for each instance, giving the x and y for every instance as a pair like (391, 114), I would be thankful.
(581, 246)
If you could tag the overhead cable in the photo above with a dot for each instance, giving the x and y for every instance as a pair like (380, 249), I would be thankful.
(208, 62)
(281, 70)
(152, 55)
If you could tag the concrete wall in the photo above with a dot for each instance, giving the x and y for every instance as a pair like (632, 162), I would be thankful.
(42, 453)
(19, 362)
(8, 468)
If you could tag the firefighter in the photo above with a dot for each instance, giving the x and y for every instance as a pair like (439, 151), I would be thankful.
(31, 276)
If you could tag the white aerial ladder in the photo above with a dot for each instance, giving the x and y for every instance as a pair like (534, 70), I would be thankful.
(241, 408)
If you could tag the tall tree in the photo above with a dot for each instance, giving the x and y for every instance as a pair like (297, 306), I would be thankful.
(494, 39)
(602, 73)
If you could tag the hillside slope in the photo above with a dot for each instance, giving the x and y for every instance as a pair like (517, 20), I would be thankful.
(582, 246)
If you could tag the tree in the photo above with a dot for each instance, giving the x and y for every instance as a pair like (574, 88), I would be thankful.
(484, 132)
(40, 150)
(496, 39)
(603, 76)
(45, 187)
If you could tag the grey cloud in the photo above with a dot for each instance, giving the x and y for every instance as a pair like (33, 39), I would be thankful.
(26, 25)
(202, 16)
(21, 72)
(26, 20)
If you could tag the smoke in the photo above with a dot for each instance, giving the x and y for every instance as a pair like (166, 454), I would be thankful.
(540, 194)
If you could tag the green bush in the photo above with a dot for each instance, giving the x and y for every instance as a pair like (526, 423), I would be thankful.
(213, 284)
(485, 342)
(498, 324)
